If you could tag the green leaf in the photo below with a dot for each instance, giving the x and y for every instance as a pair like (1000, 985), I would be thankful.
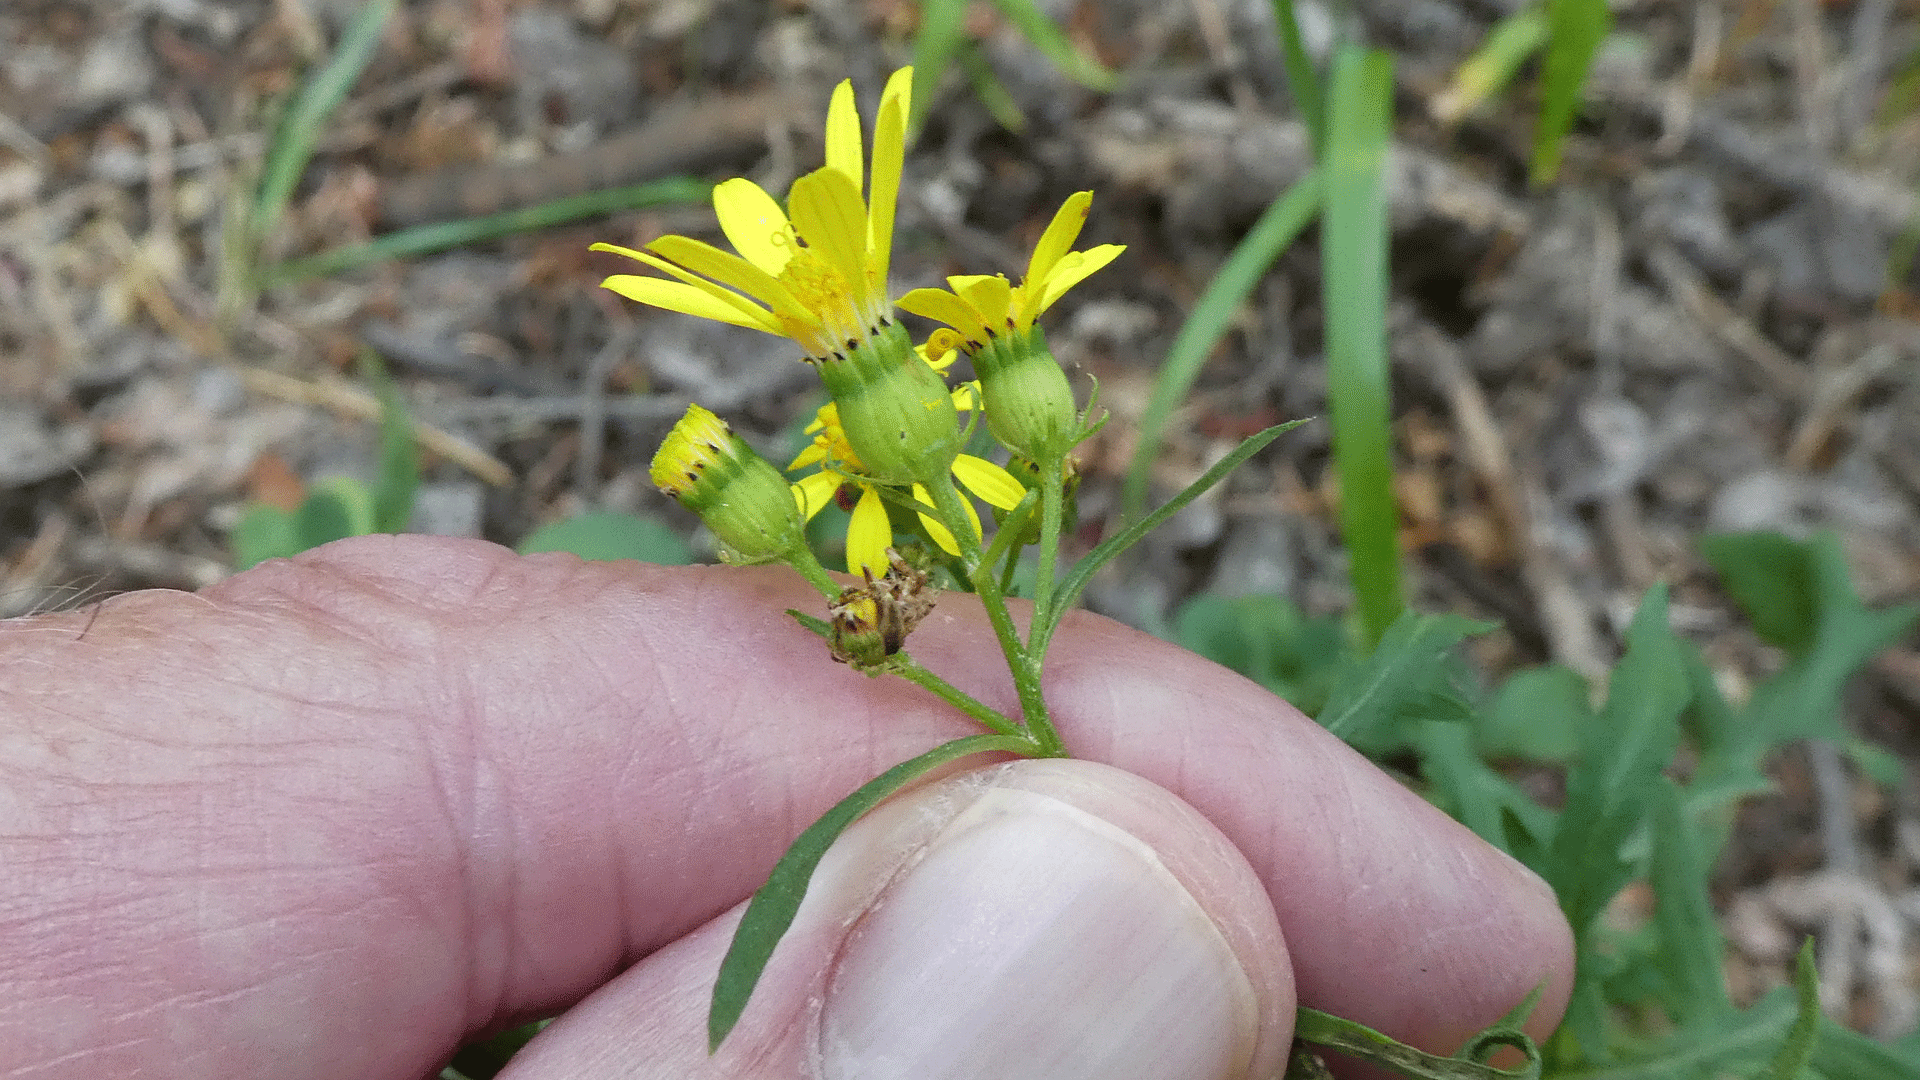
(1412, 674)
(1495, 808)
(1207, 323)
(1362, 1042)
(1612, 784)
(1353, 252)
(1512, 41)
(1804, 699)
(1267, 639)
(483, 1060)
(774, 904)
(264, 532)
(399, 477)
(1844, 1054)
(1076, 580)
(1302, 80)
(609, 536)
(1537, 715)
(1733, 1046)
(1575, 30)
(300, 125)
(1044, 34)
(1609, 790)
(335, 508)
(943, 29)
(443, 235)
(1791, 1062)
(1771, 578)
(1691, 951)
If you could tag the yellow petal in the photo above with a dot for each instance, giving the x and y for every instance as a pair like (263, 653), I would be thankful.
(945, 307)
(754, 223)
(844, 151)
(938, 532)
(889, 154)
(814, 452)
(869, 535)
(690, 300)
(814, 491)
(965, 395)
(828, 212)
(727, 269)
(993, 484)
(1059, 237)
(987, 294)
(1071, 271)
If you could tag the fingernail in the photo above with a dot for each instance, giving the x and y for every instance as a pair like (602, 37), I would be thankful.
(1033, 939)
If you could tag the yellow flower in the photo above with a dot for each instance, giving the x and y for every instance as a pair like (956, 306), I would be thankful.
(1028, 404)
(869, 532)
(713, 472)
(982, 306)
(818, 276)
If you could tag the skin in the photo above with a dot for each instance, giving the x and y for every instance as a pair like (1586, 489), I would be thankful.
(340, 813)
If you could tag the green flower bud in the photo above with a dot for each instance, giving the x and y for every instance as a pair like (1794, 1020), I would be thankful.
(743, 499)
(896, 410)
(1024, 392)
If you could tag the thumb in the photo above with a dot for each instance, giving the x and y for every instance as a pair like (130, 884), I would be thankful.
(1046, 919)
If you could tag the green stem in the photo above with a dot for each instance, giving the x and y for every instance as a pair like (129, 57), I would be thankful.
(1026, 673)
(1052, 496)
(802, 559)
(913, 671)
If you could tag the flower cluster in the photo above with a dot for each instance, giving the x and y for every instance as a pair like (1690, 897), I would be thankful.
(889, 444)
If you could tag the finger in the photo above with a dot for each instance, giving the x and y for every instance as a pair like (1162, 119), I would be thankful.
(1042, 919)
(471, 787)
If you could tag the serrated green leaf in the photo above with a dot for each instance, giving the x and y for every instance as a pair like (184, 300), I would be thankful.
(1802, 1038)
(1482, 799)
(1412, 674)
(1690, 948)
(1267, 639)
(1537, 715)
(1803, 700)
(1732, 1046)
(609, 536)
(1772, 579)
(774, 904)
(1844, 1054)
(1610, 786)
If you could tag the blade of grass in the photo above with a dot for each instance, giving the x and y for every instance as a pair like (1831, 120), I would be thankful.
(1575, 29)
(943, 29)
(1207, 323)
(775, 904)
(300, 125)
(1511, 42)
(1353, 245)
(1044, 34)
(1301, 78)
(442, 235)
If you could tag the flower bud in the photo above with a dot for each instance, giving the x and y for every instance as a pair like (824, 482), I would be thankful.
(1028, 403)
(896, 411)
(743, 499)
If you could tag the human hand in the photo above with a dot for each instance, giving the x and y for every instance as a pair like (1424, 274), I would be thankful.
(336, 815)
